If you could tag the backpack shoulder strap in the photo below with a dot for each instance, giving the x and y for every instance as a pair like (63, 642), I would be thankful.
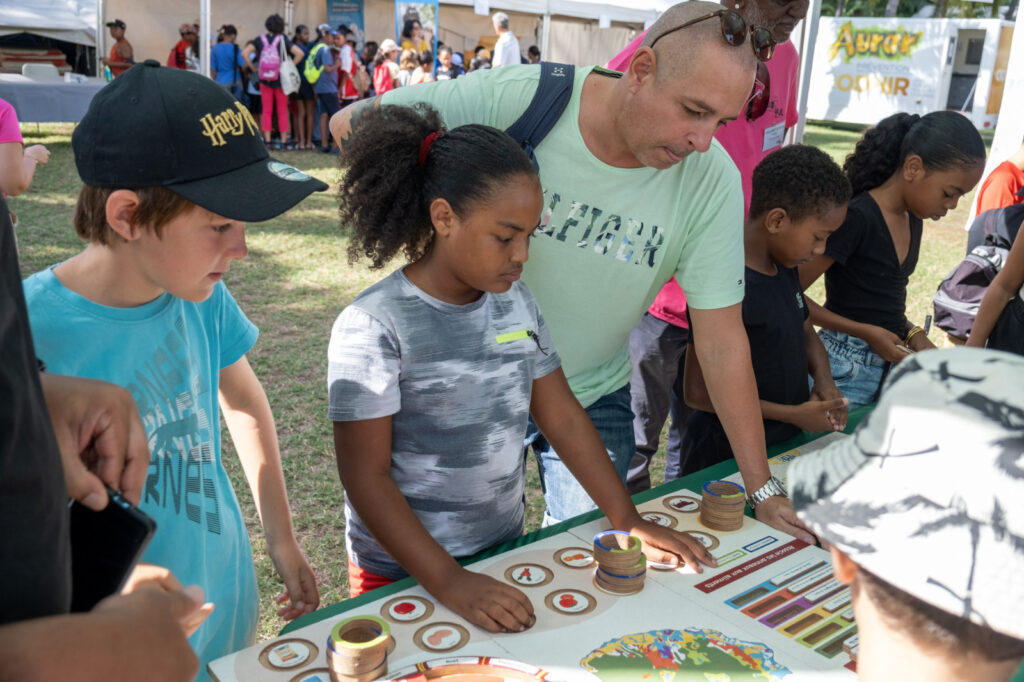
(549, 101)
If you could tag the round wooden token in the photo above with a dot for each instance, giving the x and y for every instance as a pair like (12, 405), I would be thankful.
(575, 557)
(722, 505)
(341, 670)
(528, 575)
(617, 541)
(407, 609)
(570, 602)
(441, 637)
(358, 646)
(359, 634)
(608, 589)
(617, 549)
(288, 654)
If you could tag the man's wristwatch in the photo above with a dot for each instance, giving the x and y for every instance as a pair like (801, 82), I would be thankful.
(771, 488)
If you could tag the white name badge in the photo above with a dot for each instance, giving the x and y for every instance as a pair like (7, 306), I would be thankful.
(773, 136)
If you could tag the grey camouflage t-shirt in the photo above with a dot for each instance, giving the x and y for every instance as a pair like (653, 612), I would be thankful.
(457, 380)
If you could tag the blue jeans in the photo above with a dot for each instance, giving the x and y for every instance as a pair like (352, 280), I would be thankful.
(857, 369)
(564, 496)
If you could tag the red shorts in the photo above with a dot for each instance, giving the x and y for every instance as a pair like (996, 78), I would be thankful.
(360, 581)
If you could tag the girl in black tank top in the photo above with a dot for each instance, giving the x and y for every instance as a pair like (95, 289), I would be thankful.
(905, 169)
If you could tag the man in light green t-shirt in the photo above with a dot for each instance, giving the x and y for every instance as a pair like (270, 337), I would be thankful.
(635, 191)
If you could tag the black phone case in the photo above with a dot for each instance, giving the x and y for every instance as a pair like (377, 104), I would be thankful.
(105, 546)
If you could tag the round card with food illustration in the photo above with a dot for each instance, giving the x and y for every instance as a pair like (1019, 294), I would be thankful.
(575, 557)
(407, 609)
(528, 575)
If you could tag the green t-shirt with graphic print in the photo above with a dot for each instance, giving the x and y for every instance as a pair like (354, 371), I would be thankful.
(609, 237)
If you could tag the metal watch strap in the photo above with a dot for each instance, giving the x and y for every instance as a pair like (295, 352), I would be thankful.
(771, 488)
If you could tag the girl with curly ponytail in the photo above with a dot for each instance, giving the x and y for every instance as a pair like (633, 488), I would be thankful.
(903, 170)
(434, 372)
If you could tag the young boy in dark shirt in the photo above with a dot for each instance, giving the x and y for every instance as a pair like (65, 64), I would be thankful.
(798, 199)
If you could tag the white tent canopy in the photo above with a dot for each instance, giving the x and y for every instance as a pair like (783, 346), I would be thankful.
(73, 21)
(631, 12)
(569, 27)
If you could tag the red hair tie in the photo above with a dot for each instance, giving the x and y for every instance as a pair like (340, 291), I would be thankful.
(425, 146)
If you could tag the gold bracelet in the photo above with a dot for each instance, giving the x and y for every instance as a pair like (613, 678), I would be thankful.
(912, 334)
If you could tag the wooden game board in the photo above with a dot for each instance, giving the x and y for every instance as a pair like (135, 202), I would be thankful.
(771, 609)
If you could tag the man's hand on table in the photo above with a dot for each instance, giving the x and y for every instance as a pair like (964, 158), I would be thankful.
(777, 512)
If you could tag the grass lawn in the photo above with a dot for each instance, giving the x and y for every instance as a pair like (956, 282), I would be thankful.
(293, 284)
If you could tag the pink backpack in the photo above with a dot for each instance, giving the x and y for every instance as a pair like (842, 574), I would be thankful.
(270, 59)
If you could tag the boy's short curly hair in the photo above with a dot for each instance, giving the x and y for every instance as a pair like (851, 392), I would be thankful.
(157, 207)
(800, 179)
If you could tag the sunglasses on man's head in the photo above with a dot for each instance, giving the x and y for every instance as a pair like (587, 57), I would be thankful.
(761, 94)
(734, 30)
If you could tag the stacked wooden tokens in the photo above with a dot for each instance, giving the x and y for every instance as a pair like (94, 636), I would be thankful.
(357, 650)
(621, 566)
(722, 504)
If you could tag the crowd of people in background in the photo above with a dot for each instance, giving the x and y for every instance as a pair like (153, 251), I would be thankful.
(333, 71)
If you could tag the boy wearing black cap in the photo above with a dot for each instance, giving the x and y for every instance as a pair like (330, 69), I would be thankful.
(922, 508)
(172, 166)
(121, 55)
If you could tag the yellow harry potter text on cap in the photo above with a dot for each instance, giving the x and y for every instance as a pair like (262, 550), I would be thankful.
(228, 122)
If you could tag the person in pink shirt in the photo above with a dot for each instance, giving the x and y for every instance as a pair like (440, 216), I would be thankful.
(17, 163)
(658, 343)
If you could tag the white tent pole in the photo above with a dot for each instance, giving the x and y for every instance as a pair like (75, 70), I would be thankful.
(809, 36)
(545, 33)
(101, 37)
(1009, 125)
(204, 36)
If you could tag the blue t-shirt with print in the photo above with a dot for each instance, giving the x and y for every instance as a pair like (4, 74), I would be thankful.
(224, 59)
(168, 353)
(328, 82)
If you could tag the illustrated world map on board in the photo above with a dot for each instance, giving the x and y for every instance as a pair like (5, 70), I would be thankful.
(665, 655)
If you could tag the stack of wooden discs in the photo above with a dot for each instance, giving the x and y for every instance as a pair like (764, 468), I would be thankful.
(357, 650)
(722, 504)
(621, 565)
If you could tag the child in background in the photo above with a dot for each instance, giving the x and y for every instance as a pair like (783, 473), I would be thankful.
(932, 545)
(434, 371)
(903, 170)
(798, 199)
(385, 69)
(144, 307)
(1000, 319)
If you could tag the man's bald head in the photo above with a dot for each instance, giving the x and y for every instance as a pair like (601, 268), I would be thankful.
(678, 50)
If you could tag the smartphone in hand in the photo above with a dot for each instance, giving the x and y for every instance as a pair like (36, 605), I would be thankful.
(105, 546)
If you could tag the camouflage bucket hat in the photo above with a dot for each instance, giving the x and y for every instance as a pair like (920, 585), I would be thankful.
(928, 493)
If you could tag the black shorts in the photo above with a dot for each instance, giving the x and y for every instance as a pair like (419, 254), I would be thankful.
(330, 102)
(305, 91)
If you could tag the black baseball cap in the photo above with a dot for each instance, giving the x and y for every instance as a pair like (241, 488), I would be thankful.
(116, 22)
(155, 126)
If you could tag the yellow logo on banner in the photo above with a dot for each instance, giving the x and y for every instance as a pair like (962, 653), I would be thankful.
(873, 42)
(228, 122)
